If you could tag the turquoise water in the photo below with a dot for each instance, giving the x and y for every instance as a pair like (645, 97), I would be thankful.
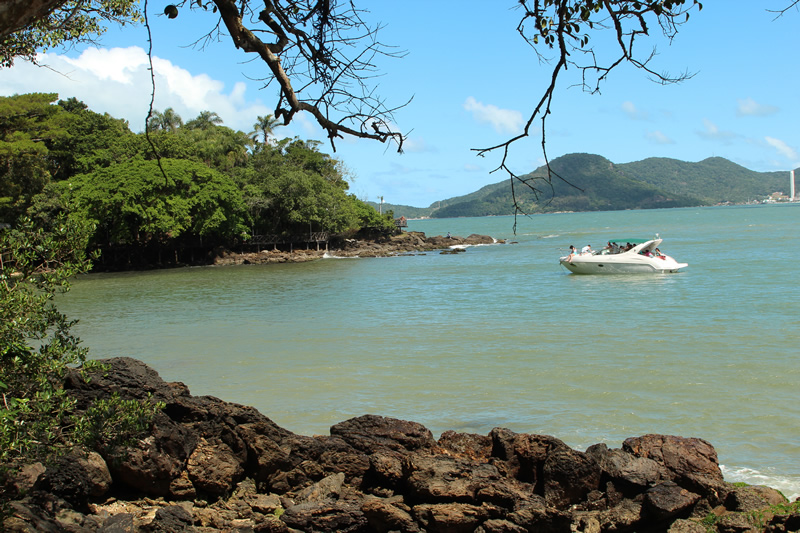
(497, 336)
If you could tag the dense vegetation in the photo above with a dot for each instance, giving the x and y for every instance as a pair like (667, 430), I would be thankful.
(593, 183)
(205, 185)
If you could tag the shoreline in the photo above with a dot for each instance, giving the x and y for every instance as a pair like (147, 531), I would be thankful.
(208, 465)
(404, 243)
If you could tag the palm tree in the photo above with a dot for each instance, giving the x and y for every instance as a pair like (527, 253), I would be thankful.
(264, 127)
(169, 120)
(205, 120)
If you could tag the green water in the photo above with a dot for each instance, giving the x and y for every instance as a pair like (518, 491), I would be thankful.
(497, 336)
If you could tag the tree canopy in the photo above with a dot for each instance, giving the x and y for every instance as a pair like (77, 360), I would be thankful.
(205, 185)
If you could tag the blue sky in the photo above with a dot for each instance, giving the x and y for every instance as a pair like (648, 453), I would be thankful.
(474, 82)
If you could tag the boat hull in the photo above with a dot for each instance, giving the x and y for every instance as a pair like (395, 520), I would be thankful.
(655, 266)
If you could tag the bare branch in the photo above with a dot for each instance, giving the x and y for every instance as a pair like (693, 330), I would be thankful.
(564, 27)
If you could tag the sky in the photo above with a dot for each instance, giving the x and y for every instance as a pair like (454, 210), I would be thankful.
(473, 83)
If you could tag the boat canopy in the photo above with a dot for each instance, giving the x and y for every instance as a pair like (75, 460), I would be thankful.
(632, 241)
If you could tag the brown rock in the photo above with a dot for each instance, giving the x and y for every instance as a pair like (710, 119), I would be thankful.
(669, 500)
(371, 433)
(450, 517)
(214, 468)
(691, 462)
(442, 478)
(383, 516)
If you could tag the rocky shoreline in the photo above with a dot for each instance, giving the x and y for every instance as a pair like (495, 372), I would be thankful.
(209, 465)
(404, 243)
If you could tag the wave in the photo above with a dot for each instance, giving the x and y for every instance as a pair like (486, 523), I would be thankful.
(788, 485)
(327, 255)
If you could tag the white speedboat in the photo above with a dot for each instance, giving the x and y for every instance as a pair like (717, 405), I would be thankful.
(623, 256)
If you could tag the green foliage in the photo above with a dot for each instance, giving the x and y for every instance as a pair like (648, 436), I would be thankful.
(93, 141)
(110, 423)
(132, 203)
(37, 350)
(36, 345)
(219, 182)
(71, 22)
(26, 122)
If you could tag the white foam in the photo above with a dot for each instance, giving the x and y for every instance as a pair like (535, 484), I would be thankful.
(789, 486)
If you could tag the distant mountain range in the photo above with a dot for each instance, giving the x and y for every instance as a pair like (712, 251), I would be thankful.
(586, 182)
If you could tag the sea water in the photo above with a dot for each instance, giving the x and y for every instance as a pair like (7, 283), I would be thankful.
(498, 336)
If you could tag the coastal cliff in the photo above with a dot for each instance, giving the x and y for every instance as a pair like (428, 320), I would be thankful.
(208, 465)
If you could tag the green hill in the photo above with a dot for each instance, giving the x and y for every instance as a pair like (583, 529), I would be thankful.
(714, 180)
(587, 182)
(582, 182)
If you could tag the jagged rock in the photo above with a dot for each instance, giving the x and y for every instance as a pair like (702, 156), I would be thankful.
(467, 445)
(370, 433)
(625, 469)
(686, 526)
(172, 519)
(328, 488)
(669, 500)
(384, 515)
(450, 517)
(561, 474)
(441, 478)
(691, 462)
(328, 515)
(495, 525)
(372, 474)
(752, 498)
(214, 468)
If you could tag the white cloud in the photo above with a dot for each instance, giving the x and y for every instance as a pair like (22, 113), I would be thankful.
(784, 149)
(117, 81)
(630, 109)
(659, 137)
(502, 120)
(713, 132)
(749, 107)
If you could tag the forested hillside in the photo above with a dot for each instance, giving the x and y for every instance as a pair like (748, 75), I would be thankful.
(585, 182)
(198, 186)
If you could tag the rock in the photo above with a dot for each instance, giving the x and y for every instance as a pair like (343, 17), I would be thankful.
(328, 488)
(370, 433)
(669, 500)
(433, 479)
(500, 526)
(214, 468)
(752, 498)
(690, 462)
(467, 445)
(383, 516)
(171, 519)
(627, 470)
(450, 517)
(562, 475)
(686, 526)
(372, 474)
(328, 515)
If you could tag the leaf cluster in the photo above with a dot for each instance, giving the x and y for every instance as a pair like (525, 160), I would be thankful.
(38, 349)
(69, 23)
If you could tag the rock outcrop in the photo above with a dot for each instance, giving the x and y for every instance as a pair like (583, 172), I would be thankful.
(404, 243)
(208, 465)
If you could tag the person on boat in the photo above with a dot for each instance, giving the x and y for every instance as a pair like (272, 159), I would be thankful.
(586, 249)
(659, 254)
(572, 253)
